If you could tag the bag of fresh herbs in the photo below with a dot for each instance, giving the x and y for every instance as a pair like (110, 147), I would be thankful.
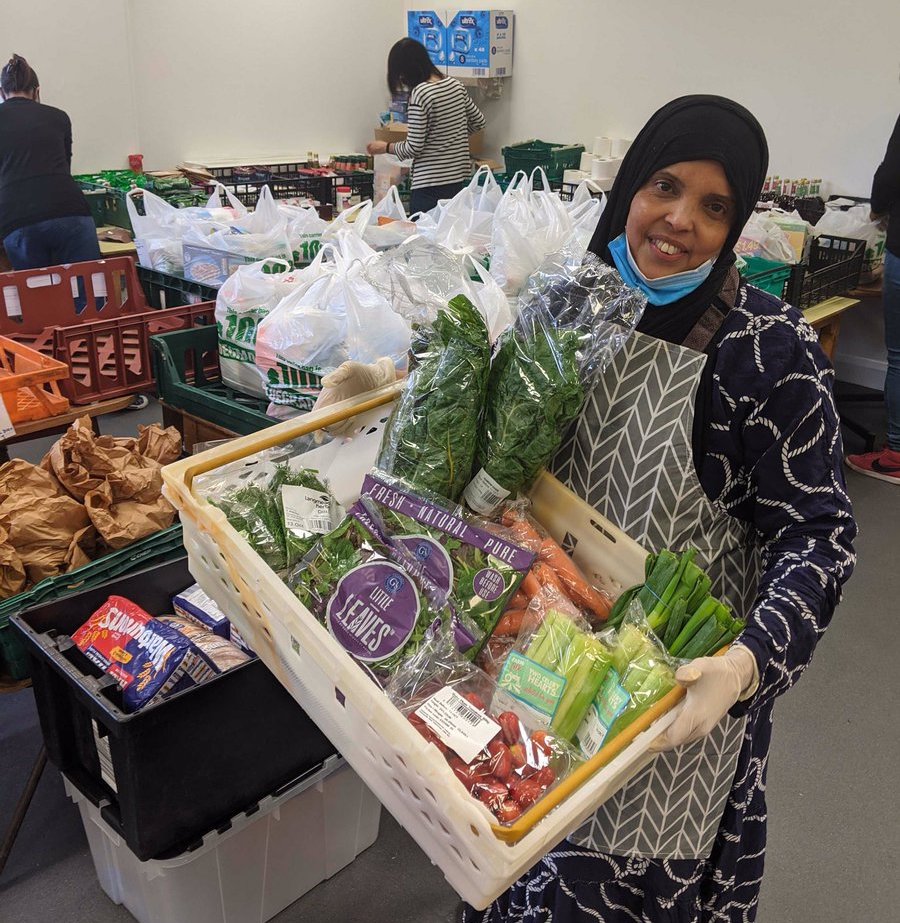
(429, 440)
(572, 321)
(278, 506)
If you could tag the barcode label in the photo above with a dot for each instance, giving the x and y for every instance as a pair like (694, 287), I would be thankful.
(468, 712)
(483, 493)
(479, 72)
(610, 702)
(306, 511)
(464, 728)
(107, 773)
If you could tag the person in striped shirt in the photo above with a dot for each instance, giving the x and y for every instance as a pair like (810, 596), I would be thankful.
(441, 118)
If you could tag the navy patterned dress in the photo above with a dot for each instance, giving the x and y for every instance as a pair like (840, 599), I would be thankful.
(771, 400)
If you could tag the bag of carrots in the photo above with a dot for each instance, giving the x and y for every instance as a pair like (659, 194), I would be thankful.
(553, 568)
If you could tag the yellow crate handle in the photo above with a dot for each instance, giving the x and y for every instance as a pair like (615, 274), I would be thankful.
(273, 436)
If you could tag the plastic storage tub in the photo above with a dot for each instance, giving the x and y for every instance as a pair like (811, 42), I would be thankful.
(165, 775)
(251, 868)
(479, 858)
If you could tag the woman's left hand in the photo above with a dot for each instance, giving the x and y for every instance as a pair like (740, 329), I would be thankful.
(376, 147)
(713, 685)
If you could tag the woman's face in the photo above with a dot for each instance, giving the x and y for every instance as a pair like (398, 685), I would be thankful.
(680, 218)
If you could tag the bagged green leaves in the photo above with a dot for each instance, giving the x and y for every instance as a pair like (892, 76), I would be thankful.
(477, 570)
(369, 592)
(280, 509)
(572, 321)
(429, 440)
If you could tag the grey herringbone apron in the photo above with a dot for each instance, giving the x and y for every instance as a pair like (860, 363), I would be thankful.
(629, 456)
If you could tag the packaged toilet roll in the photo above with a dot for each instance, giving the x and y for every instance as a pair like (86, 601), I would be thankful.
(602, 146)
(586, 160)
(619, 146)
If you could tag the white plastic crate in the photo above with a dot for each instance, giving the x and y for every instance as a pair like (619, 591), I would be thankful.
(479, 858)
(254, 869)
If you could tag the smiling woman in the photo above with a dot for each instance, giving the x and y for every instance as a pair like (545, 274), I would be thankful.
(714, 429)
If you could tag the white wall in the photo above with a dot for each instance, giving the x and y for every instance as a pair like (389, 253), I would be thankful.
(80, 52)
(229, 79)
(822, 77)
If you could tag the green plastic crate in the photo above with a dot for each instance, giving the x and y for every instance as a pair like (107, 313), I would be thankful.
(112, 211)
(203, 393)
(768, 275)
(554, 158)
(155, 549)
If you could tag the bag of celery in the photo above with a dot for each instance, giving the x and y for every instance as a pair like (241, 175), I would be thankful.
(557, 666)
(676, 600)
(640, 674)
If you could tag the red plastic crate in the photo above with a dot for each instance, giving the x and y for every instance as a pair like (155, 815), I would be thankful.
(33, 300)
(111, 358)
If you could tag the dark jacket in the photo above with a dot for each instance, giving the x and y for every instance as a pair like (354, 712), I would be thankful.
(886, 190)
(35, 163)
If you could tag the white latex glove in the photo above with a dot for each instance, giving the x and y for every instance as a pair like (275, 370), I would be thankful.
(713, 685)
(350, 379)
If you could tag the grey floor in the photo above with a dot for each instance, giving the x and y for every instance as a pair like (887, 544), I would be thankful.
(834, 828)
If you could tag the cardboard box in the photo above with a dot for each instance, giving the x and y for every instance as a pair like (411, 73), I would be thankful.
(479, 43)
(430, 28)
(397, 132)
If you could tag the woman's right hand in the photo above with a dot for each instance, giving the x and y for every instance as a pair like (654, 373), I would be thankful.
(349, 380)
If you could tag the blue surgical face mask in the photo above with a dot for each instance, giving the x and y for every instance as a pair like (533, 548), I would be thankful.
(662, 291)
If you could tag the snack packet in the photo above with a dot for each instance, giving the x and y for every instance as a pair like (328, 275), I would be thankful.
(147, 658)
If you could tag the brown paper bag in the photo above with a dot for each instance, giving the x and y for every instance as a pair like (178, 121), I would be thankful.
(162, 445)
(12, 571)
(82, 461)
(18, 476)
(42, 530)
(143, 485)
(121, 523)
(82, 548)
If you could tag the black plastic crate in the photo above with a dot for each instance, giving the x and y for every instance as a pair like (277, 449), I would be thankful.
(258, 172)
(567, 191)
(833, 268)
(163, 290)
(165, 775)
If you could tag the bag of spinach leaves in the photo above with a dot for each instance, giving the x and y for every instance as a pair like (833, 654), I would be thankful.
(572, 321)
(477, 571)
(429, 440)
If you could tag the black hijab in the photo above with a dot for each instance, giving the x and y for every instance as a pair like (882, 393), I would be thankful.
(689, 128)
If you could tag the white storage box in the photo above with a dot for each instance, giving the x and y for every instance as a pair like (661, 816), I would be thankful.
(251, 870)
(479, 858)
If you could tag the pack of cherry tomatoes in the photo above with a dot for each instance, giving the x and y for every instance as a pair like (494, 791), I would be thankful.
(496, 746)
